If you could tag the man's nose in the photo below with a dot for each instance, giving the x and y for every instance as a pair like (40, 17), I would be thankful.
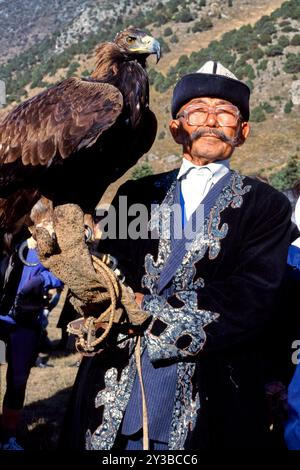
(212, 119)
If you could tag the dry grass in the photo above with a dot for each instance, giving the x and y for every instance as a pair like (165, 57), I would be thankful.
(47, 394)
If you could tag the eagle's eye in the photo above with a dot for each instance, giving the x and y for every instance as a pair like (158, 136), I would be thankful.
(130, 39)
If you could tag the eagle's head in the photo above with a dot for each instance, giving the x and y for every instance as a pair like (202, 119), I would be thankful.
(136, 42)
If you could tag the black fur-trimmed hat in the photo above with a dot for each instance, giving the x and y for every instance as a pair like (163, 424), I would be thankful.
(215, 81)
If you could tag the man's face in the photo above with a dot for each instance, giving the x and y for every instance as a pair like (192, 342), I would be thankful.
(208, 136)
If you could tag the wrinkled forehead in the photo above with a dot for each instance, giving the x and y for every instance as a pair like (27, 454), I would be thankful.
(206, 100)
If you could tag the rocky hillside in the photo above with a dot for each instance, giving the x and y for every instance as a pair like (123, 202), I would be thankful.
(25, 23)
(258, 40)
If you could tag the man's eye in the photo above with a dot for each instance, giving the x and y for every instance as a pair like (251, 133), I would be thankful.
(199, 111)
(228, 110)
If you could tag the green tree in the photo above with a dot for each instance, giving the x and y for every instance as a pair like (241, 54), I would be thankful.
(288, 176)
(141, 170)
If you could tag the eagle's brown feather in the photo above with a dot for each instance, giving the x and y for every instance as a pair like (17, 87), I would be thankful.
(56, 121)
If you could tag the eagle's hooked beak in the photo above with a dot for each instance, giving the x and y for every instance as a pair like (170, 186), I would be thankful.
(155, 49)
(149, 45)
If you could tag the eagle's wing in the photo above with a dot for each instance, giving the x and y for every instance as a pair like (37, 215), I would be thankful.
(58, 122)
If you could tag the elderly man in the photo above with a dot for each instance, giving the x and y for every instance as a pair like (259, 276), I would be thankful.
(210, 292)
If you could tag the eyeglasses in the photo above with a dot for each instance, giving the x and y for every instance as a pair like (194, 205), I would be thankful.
(196, 115)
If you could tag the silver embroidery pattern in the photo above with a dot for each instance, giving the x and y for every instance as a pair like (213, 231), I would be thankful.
(114, 397)
(184, 322)
(186, 407)
(159, 222)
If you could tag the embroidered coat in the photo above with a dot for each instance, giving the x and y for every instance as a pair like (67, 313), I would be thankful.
(214, 323)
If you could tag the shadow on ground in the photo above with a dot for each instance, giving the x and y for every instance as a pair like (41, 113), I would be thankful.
(42, 421)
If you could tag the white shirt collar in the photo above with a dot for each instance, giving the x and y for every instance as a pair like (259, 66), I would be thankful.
(214, 167)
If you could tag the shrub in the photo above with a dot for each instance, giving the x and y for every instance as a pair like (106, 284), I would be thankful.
(295, 13)
(267, 107)
(262, 65)
(295, 41)
(168, 32)
(72, 69)
(257, 54)
(257, 114)
(288, 106)
(284, 41)
(184, 16)
(292, 64)
(245, 71)
(141, 170)
(265, 25)
(203, 25)
(161, 83)
(161, 135)
(274, 50)
(174, 39)
(284, 23)
(172, 6)
(265, 39)
(289, 29)
(288, 176)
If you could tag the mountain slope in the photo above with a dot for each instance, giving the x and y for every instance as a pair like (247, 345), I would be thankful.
(257, 40)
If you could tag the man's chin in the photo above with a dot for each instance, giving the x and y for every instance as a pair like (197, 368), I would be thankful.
(208, 148)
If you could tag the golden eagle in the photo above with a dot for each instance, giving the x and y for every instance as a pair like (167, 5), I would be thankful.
(71, 141)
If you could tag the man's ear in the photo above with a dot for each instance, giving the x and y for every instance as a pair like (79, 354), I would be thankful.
(174, 127)
(245, 130)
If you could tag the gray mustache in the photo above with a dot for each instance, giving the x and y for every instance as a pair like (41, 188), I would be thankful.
(210, 131)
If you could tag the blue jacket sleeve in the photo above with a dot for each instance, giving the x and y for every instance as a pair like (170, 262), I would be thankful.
(292, 427)
(49, 280)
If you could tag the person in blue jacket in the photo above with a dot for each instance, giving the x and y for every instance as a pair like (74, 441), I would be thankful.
(21, 323)
(292, 427)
